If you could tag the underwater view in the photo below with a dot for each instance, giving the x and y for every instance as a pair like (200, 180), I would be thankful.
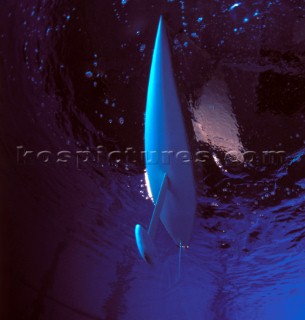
(74, 79)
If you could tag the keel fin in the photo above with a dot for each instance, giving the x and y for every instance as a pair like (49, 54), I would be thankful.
(144, 239)
(152, 230)
(145, 244)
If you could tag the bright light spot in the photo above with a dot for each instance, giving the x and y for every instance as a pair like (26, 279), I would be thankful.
(217, 161)
(246, 20)
(235, 5)
(199, 19)
(148, 185)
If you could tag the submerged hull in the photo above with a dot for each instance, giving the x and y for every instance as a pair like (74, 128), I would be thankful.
(166, 146)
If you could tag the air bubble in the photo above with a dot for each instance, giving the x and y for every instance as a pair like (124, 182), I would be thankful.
(89, 74)
(142, 47)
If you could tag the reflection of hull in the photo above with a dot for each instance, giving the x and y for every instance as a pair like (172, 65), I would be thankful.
(214, 121)
(165, 146)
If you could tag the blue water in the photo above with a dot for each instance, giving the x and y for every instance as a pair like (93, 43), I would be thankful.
(74, 77)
